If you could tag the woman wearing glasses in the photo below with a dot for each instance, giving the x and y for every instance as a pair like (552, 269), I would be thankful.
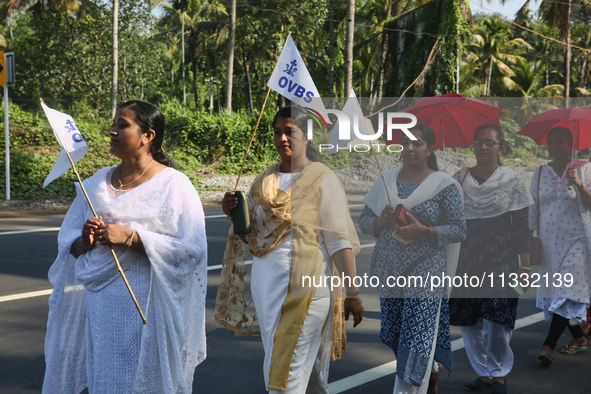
(496, 201)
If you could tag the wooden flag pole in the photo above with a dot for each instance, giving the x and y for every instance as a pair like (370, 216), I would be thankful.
(381, 174)
(137, 305)
(250, 143)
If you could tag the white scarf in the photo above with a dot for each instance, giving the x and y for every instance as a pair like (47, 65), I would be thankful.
(167, 214)
(505, 191)
(377, 200)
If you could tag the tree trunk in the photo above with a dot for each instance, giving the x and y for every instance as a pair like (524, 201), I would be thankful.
(331, 50)
(566, 33)
(195, 90)
(115, 58)
(248, 85)
(585, 65)
(488, 77)
(230, 65)
(349, 47)
(384, 52)
(183, 57)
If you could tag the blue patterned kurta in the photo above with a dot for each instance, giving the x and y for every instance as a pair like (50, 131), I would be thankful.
(408, 323)
(492, 246)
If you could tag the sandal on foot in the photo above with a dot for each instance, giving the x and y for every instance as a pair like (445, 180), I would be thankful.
(568, 349)
(545, 358)
(477, 385)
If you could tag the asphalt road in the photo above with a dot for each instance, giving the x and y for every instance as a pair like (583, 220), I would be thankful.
(234, 364)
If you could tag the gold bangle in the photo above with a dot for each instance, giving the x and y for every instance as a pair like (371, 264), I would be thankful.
(131, 239)
(526, 268)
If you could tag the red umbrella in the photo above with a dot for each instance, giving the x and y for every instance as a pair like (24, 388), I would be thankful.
(573, 119)
(452, 117)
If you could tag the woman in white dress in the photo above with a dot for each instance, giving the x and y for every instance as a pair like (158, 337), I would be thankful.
(565, 232)
(300, 226)
(152, 217)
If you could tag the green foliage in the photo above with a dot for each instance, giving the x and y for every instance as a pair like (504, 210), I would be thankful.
(194, 140)
(517, 145)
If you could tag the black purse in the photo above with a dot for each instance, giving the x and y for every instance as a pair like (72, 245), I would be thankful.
(240, 216)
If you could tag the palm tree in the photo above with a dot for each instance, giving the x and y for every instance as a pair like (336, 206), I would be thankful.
(349, 47)
(528, 80)
(115, 58)
(206, 23)
(556, 15)
(231, 46)
(489, 46)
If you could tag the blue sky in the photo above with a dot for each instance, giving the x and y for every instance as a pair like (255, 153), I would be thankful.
(508, 10)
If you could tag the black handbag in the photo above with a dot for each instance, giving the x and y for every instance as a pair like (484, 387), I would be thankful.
(240, 216)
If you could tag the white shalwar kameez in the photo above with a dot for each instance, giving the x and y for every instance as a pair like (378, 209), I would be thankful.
(565, 232)
(269, 286)
(95, 337)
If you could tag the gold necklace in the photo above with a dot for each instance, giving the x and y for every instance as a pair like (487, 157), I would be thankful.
(121, 185)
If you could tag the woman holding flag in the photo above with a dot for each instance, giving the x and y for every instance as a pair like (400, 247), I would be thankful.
(151, 216)
(415, 319)
(300, 225)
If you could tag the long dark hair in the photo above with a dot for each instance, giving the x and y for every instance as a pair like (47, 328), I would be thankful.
(428, 136)
(299, 118)
(149, 117)
(499, 133)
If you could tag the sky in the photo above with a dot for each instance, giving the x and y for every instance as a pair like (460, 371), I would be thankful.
(508, 10)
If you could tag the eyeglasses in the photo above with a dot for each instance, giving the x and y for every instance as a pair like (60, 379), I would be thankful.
(488, 144)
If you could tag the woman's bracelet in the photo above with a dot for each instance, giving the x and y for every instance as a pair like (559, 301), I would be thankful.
(130, 239)
(526, 268)
(354, 294)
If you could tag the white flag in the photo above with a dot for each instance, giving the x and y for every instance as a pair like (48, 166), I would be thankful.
(70, 140)
(292, 80)
(343, 132)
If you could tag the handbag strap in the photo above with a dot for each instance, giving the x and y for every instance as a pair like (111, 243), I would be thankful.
(538, 204)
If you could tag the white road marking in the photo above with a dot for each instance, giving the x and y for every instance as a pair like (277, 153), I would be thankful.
(386, 369)
(37, 230)
(25, 295)
(47, 229)
(47, 292)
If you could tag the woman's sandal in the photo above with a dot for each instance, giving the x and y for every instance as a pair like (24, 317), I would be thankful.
(545, 358)
(433, 379)
(568, 349)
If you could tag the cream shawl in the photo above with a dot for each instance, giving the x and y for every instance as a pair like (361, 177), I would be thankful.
(296, 210)
(504, 191)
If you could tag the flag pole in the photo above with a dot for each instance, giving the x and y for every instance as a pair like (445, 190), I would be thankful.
(381, 174)
(250, 143)
(137, 305)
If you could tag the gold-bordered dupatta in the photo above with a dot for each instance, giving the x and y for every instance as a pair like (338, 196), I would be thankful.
(297, 210)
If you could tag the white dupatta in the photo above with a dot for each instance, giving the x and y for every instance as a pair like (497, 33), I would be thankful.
(504, 191)
(168, 216)
(376, 199)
